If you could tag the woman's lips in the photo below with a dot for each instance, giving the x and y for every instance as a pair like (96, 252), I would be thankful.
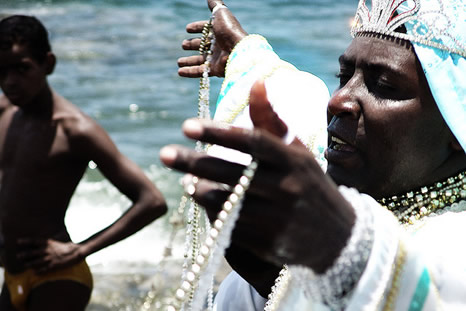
(338, 144)
(342, 154)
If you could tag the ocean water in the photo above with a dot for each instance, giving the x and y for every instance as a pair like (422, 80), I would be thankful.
(117, 62)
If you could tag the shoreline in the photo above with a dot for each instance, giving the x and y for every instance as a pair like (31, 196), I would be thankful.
(116, 290)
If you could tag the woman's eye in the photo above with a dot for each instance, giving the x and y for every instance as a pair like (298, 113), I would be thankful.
(384, 89)
(384, 83)
(344, 78)
(384, 86)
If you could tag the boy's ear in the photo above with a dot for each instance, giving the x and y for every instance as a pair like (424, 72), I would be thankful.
(51, 61)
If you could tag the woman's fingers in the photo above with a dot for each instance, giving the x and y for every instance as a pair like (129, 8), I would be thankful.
(258, 143)
(191, 44)
(195, 60)
(191, 66)
(261, 212)
(211, 196)
(196, 27)
(200, 164)
(262, 114)
(191, 72)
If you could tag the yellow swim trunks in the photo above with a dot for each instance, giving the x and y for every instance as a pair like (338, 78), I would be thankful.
(21, 284)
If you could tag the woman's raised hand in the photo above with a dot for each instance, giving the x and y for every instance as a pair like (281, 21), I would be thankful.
(228, 32)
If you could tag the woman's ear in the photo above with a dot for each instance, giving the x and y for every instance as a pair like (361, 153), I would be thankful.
(51, 61)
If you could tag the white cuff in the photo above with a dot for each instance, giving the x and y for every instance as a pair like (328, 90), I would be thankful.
(332, 288)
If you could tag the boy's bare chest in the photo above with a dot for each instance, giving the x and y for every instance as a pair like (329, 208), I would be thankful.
(27, 145)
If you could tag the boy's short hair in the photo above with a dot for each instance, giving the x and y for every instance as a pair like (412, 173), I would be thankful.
(25, 30)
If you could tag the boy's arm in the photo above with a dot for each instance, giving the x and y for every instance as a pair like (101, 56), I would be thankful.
(89, 141)
(148, 203)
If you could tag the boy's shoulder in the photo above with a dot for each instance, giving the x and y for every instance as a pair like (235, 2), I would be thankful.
(73, 120)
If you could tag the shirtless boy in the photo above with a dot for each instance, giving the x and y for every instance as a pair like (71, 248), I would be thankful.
(46, 144)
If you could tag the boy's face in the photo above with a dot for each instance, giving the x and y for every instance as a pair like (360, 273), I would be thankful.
(22, 77)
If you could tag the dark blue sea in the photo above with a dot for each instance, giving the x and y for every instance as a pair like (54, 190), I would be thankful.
(117, 62)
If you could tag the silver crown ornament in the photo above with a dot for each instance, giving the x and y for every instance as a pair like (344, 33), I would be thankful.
(435, 23)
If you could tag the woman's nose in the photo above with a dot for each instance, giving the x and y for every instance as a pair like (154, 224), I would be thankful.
(345, 101)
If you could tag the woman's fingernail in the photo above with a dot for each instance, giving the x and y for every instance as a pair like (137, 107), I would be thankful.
(168, 155)
(192, 127)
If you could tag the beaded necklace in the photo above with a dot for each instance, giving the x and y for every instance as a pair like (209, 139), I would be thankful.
(212, 248)
(414, 205)
(206, 256)
(193, 229)
(207, 41)
(278, 289)
(192, 246)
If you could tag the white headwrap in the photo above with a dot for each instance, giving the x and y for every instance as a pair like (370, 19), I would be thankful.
(445, 71)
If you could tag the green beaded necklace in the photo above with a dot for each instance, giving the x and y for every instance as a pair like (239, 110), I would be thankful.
(414, 205)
